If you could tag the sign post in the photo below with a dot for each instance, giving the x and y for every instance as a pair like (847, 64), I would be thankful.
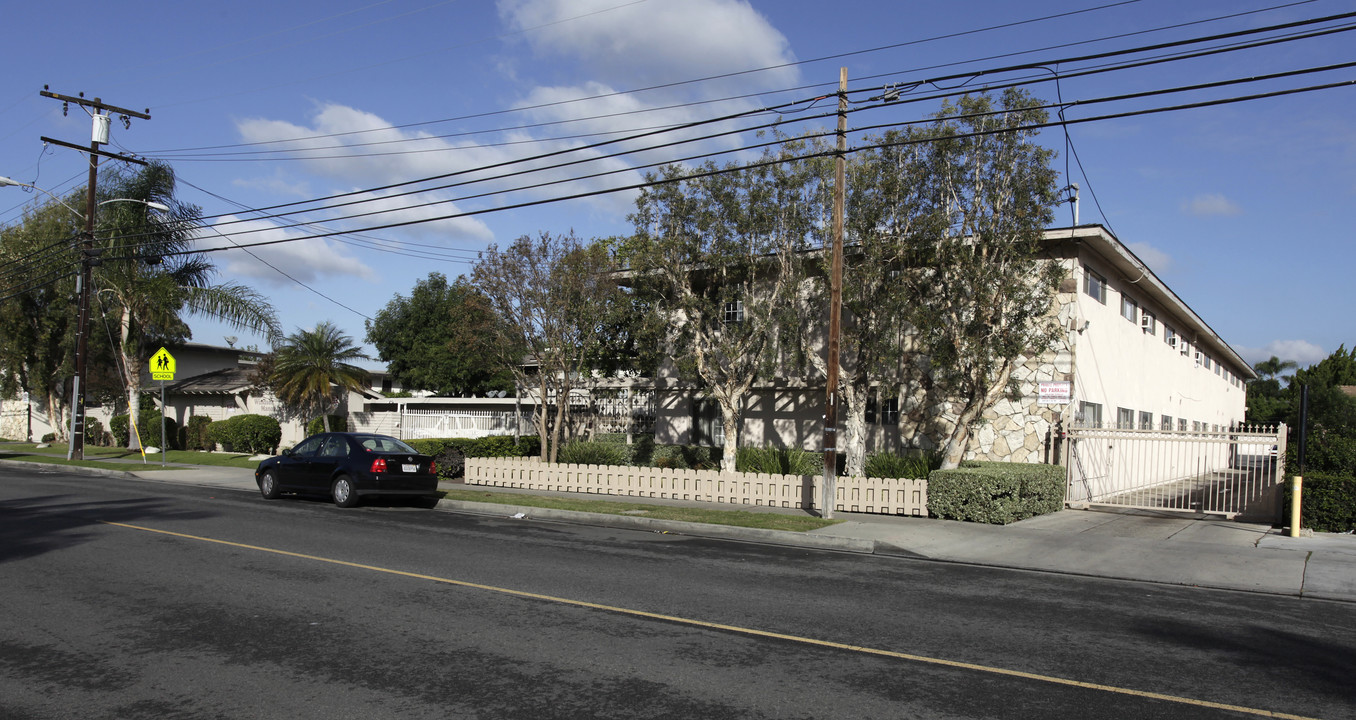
(162, 369)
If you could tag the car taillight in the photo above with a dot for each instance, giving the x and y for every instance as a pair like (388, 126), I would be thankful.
(379, 465)
(432, 467)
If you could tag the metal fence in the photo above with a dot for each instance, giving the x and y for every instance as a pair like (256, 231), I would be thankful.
(1235, 472)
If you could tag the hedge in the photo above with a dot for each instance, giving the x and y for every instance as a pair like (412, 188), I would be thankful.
(1328, 502)
(149, 425)
(255, 434)
(195, 433)
(117, 427)
(449, 452)
(338, 423)
(996, 493)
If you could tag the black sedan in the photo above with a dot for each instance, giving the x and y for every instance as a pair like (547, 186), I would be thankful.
(348, 466)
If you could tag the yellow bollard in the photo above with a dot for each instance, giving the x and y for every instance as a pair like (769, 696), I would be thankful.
(1296, 491)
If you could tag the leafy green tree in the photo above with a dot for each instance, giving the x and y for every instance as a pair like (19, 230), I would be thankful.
(441, 338)
(720, 254)
(553, 293)
(310, 368)
(37, 315)
(1332, 412)
(979, 292)
(1268, 402)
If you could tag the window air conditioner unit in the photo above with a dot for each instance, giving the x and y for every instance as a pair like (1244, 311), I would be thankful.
(1186, 349)
(1146, 321)
(1199, 358)
(1172, 342)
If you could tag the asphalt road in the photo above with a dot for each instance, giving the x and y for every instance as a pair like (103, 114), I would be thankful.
(127, 599)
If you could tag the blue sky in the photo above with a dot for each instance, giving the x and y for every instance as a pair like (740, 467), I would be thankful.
(1245, 209)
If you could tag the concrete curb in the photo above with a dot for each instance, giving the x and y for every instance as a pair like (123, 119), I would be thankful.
(678, 527)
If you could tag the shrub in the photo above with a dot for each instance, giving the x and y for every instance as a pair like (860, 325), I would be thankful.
(450, 453)
(117, 427)
(49, 437)
(913, 465)
(1327, 504)
(149, 425)
(778, 461)
(681, 457)
(581, 452)
(195, 433)
(94, 432)
(996, 493)
(255, 434)
(338, 423)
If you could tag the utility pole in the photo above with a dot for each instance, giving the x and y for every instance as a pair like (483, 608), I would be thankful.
(98, 136)
(830, 484)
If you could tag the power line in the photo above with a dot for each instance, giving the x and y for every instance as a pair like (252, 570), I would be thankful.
(826, 153)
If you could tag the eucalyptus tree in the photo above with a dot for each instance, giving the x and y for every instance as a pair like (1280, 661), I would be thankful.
(978, 287)
(149, 278)
(310, 368)
(554, 294)
(721, 250)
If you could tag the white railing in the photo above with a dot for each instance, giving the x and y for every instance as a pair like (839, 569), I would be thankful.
(461, 423)
(890, 496)
(1233, 471)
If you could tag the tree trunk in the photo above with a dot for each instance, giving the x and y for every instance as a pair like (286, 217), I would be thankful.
(853, 422)
(729, 412)
(133, 377)
(540, 415)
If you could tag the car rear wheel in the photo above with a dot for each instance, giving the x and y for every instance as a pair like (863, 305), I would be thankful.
(344, 494)
(268, 485)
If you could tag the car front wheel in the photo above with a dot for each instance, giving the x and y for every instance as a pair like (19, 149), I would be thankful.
(344, 494)
(268, 485)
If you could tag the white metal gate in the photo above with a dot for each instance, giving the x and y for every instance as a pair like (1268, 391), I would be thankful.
(1235, 472)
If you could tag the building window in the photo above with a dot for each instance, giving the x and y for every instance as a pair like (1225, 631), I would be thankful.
(734, 311)
(1129, 308)
(1089, 415)
(1094, 285)
(1181, 424)
(1205, 360)
(1125, 419)
(1146, 421)
(887, 411)
(1148, 322)
(708, 425)
(1169, 336)
(1165, 422)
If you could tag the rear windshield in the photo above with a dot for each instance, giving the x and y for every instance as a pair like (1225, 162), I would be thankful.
(379, 443)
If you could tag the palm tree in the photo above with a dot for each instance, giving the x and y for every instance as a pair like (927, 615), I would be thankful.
(151, 278)
(1273, 367)
(310, 365)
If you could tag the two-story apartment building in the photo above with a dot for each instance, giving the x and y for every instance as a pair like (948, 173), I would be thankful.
(1131, 354)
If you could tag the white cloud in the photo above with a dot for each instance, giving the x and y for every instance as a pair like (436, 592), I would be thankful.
(306, 260)
(656, 42)
(1210, 204)
(1302, 352)
(1157, 260)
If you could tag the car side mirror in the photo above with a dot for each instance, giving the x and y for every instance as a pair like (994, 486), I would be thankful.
(287, 452)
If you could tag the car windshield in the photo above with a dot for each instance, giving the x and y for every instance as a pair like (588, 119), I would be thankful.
(381, 443)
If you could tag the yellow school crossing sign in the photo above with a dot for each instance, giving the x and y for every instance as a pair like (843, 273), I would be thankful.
(162, 365)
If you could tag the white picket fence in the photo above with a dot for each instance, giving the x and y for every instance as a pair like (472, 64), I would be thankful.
(889, 496)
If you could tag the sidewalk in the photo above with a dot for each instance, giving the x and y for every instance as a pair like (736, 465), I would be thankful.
(1129, 545)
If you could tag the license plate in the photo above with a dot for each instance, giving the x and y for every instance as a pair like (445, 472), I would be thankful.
(409, 468)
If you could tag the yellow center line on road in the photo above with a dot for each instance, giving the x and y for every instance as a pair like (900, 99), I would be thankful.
(745, 631)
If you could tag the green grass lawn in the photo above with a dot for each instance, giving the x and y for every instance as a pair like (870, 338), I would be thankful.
(738, 518)
(57, 454)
